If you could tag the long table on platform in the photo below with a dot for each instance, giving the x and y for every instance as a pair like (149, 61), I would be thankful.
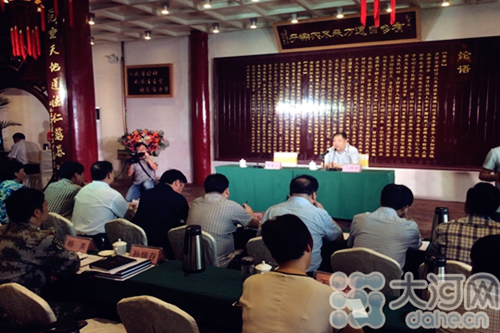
(342, 194)
(207, 296)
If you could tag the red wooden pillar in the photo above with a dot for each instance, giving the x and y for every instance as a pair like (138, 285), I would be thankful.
(200, 106)
(71, 84)
(80, 81)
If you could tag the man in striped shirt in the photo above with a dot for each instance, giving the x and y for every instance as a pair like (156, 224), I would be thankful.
(61, 195)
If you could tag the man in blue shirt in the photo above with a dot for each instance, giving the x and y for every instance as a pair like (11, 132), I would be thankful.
(302, 203)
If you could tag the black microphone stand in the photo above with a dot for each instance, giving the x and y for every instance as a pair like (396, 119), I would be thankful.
(257, 166)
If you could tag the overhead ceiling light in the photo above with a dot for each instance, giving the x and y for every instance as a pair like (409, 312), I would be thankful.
(340, 12)
(294, 18)
(215, 30)
(445, 3)
(91, 40)
(164, 8)
(388, 9)
(147, 34)
(253, 23)
(91, 18)
(207, 4)
(255, 0)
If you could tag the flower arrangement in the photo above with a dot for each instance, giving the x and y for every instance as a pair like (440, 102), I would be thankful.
(152, 139)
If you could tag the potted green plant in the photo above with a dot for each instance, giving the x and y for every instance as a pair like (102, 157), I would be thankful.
(4, 101)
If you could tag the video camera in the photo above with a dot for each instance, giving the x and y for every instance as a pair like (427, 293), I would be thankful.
(135, 157)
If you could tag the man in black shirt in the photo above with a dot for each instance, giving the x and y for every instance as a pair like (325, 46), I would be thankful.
(163, 208)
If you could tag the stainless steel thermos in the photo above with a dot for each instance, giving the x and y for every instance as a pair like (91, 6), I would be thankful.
(194, 254)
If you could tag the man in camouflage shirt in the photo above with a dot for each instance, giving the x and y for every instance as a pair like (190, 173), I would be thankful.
(28, 255)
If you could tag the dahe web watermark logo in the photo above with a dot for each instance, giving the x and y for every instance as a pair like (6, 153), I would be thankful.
(449, 302)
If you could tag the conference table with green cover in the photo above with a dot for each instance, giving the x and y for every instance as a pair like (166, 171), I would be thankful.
(343, 194)
(208, 296)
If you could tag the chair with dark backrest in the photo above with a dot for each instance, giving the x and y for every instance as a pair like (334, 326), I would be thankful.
(258, 250)
(126, 231)
(366, 261)
(147, 314)
(24, 307)
(176, 238)
(62, 225)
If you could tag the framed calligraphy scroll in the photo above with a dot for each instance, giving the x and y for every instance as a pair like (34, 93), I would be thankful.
(417, 105)
(330, 33)
(149, 81)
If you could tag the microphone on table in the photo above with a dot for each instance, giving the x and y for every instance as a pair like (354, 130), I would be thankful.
(323, 157)
(257, 166)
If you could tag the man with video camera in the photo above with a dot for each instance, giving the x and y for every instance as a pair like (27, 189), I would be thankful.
(143, 168)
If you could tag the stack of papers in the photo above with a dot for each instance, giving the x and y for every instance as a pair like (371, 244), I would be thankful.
(118, 268)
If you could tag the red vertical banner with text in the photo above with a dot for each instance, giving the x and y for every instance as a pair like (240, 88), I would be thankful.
(57, 87)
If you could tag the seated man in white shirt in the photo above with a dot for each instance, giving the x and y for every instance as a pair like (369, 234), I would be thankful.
(388, 229)
(28, 153)
(97, 203)
(341, 152)
(287, 300)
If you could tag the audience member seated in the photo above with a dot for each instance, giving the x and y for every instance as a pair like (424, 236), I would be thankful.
(12, 175)
(219, 216)
(302, 203)
(61, 194)
(388, 229)
(30, 256)
(163, 208)
(483, 262)
(341, 152)
(97, 203)
(454, 239)
(287, 300)
(491, 172)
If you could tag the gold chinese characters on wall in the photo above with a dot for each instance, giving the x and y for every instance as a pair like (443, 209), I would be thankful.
(387, 104)
(149, 81)
(427, 105)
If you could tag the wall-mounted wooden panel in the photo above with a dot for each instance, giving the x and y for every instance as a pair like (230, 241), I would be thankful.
(419, 105)
(149, 81)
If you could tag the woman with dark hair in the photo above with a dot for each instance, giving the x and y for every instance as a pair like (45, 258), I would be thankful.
(12, 175)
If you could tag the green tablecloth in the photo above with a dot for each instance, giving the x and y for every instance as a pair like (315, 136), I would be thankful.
(207, 296)
(342, 194)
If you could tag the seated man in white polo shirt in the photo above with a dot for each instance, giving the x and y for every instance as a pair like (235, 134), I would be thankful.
(97, 203)
(28, 153)
(341, 152)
